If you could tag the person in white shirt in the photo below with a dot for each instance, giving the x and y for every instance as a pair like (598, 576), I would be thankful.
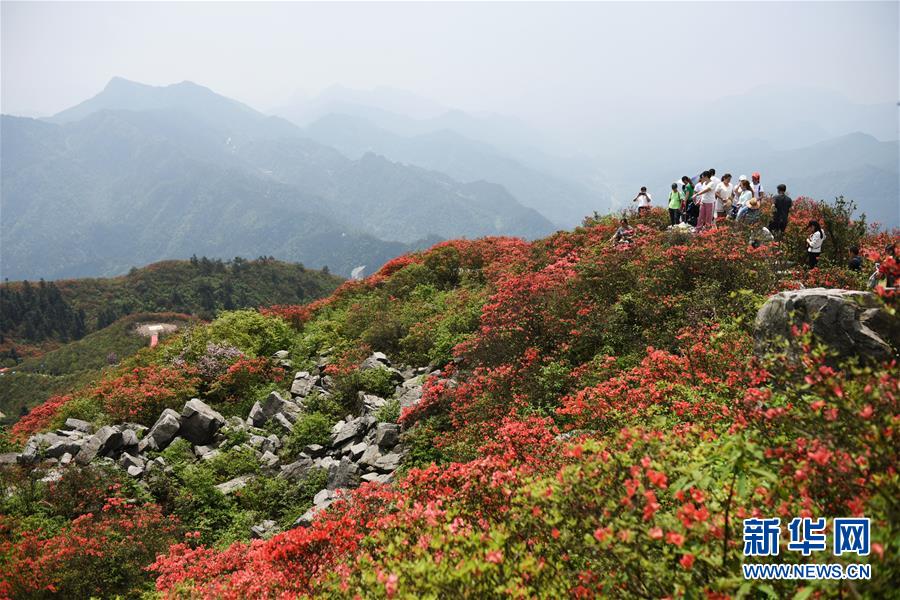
(814, 243)
(706, 194)
(724, 193)
(738, 193)
(643, 199)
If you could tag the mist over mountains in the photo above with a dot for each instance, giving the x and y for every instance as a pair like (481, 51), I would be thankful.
(352, 178)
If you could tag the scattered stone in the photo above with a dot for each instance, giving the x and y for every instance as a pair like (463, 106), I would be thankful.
(199, 422)
(233, 485)
(388, 462)
(303, 384)
(264, 530)
(269, 459)
(281, 355)
(129, 460)
(356, 450)
(79, 425)
(163, 431)
(107, 440)
(201, 451)
(283, 421)
(314, 450)
(129, 438)
(345, 474)
(387, 435)
(298, 469)
(135, 471)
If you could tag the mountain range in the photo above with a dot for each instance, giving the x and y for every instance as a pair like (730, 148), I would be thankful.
(350, 179)
(140, 173)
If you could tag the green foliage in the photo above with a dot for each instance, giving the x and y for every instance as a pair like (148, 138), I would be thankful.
(254, 334)
(310, 428)
(390, 412)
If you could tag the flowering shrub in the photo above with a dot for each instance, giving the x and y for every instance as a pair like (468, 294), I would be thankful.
(140, 394)
(97, 554)
(599, 425)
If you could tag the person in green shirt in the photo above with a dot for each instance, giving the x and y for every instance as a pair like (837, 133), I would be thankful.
(689, 209)
(675, 200)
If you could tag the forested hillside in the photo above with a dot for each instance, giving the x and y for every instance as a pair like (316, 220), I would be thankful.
(492, 418)
(64, 310)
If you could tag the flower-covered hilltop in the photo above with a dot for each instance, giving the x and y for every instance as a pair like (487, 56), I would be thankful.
(570, 417)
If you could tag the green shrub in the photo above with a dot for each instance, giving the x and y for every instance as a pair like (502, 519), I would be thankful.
(389, 413)
(311, 428)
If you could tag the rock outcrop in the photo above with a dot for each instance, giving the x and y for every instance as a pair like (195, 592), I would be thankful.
(851, 323)
(360, 449)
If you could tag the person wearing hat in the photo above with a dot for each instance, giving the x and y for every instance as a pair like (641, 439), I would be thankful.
(675, 198)
(756, 186)
(749, 212)
(738, 203)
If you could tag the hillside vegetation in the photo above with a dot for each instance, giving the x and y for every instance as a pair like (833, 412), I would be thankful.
(63, 310)
(598, 425)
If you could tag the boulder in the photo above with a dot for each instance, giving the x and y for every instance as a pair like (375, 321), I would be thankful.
(411, 396)
(345, 474)
(298, 469)
(269, 459)
(129, 438)
(370, 457)
(135, 471)
(388, 462)
(351, 430)
(356, 450)
(387, 435)
(370, 403)
(851, 323)
(106, 441)
(163, 431)
(268, 408)
(303, 384)
(199, 422)
(233, 485)
(314, 450)
(79, 425)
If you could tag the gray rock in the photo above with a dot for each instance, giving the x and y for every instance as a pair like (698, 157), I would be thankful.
(199, 422)
(387, 435)
(325, 462)
(269, 459)
(106, 441)
(281, 355)
(9, 458)
(411, 396)
(370, 403)
(163, 431)
(851, 323)
(303, 384)
(264, 530)
(65, 459)
(283, 422)
(63, 445)
(129, 460)
(388, 462)
(356, 450)
(350, 430)
(210, 455)
(322, 497)
(370, 457)
(233, 485)
(272, 444)
(378, 477)
(79, 425)
(129, 438)
(314, 450)
(297, 470)
(265, 410)
(135, 471)
(201, 451)
(345, 474)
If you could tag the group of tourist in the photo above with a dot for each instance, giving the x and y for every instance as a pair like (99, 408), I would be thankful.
(705, 201)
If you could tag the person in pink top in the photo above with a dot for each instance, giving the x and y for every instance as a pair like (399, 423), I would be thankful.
(706, 195)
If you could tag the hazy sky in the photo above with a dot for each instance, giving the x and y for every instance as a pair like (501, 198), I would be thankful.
(536, 61)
